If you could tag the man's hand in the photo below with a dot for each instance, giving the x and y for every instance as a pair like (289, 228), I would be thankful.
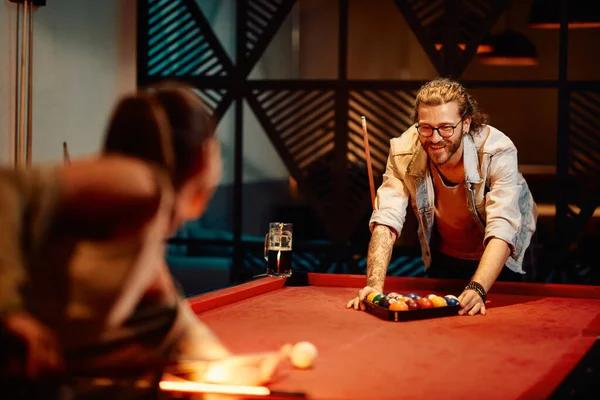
(471, 303)
(43, 351)
(358, 302)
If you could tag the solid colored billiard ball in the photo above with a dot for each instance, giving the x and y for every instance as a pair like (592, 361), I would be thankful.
(398, 306)
(424, 302)
(451, 300)
(438, 301)
(303, 354)
(412, 304)
(413, 296)
(371, 295)
(385, 302)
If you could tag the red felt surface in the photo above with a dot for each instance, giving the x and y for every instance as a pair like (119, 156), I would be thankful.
(523, 348)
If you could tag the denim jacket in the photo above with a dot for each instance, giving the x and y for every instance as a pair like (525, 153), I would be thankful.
(498, 197)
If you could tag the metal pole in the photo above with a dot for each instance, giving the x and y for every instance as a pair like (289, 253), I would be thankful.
(21, 145)
(238, 192)
(30, 91)
(563, 129)
(17, 91)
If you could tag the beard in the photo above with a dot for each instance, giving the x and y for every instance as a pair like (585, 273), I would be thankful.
(441, 156)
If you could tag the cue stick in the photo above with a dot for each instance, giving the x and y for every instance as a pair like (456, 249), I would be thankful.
(171, 382)
(190, 387)
(66, 157)
(22, 88)
(30, 89)
(179, 385)
(368, 154)
(17, 86)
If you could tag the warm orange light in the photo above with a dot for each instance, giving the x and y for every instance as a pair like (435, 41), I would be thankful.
(571, 25)
(511, 48)
(547, 14)
(195, 387)
(516, 61)
(485, 48)
(481, 49)
(278, 256)
(293, 188)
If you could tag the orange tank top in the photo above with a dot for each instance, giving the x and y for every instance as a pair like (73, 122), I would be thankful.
(457, 233)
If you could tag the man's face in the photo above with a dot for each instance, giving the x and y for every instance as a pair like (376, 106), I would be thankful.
(442, 149)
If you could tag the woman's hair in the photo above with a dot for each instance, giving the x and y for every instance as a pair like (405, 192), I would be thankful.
(167, 125)
(444, 90)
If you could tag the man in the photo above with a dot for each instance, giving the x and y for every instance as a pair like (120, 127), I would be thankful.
(475, 213)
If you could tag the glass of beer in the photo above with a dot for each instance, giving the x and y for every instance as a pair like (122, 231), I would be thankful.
(278, 249)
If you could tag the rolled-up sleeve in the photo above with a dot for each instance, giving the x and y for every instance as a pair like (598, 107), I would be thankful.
(503, 217)
(391, 201)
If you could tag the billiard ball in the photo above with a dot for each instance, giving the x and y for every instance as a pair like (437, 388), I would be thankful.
(413, 296)
(398, 306)
(394, 295)
(303, 355)
(384, 302)
(438, 301)
(381, 301)
(371, 295)
(451, 300)
(424, 302)
(378, 297)
(412, 304)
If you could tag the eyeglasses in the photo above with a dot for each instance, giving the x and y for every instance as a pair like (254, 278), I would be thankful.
(444, 131)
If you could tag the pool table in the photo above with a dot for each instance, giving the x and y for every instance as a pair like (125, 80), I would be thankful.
(528, 343)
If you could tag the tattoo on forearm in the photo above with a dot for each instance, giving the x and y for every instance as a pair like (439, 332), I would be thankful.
(379, 255)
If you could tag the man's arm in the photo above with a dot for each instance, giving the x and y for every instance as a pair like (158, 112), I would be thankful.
(379, 255)
(494, 257)
(503, 215)
(503, 221)
(386, 224)
(378, 259)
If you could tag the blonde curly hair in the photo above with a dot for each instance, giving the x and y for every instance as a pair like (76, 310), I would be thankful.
(444, 90)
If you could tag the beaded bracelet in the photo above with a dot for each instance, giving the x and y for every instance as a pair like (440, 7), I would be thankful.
(478, 288)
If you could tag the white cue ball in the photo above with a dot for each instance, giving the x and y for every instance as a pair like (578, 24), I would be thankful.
(303, 355)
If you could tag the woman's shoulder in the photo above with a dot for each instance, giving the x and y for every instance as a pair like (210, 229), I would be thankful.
(108, 193)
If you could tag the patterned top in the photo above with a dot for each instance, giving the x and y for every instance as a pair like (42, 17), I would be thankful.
(88, 287)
